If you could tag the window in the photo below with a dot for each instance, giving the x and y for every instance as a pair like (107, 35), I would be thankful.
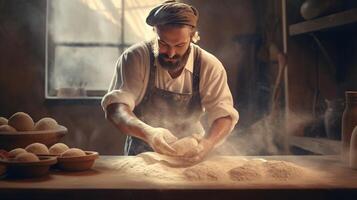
(84, 40)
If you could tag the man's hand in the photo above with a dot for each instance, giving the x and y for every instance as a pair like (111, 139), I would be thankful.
(203, 149)
(160, 139)
(217, 133)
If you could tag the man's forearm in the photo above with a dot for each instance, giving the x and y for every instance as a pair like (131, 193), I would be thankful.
(220, 128)
(125, 120)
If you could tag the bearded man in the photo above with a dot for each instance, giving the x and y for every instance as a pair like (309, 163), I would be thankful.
(162, 87)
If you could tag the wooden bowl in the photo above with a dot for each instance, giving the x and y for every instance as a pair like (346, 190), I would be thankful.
(19, 169)
(12, 140)
(77, 163)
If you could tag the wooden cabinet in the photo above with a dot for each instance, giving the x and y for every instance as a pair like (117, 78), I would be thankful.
(322, 65)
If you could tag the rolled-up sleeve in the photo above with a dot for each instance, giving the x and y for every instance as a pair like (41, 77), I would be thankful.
(128, 81)
(216, 96)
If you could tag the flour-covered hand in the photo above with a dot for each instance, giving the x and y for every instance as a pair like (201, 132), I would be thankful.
(203, 149)
(160, 139)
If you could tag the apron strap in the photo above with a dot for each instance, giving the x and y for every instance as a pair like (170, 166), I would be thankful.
(151, 83)
(196, 71)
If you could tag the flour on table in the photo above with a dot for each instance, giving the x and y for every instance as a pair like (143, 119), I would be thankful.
(215, 169)
(202, 172)
(280, 170)
(246, 172)
(267, 170)
(140, 168)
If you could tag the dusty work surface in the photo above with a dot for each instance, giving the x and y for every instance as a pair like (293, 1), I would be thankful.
(117, 174)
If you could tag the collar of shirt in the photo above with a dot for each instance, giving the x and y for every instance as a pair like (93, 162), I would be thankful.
(189, 63)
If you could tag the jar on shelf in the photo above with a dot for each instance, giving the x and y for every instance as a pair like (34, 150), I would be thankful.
(349, 121)
(333, 118)
(353, 149)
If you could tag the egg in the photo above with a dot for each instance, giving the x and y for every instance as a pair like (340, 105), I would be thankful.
(17, 151)
(73, 152)
(21, 122)
(7, 128)
(26, 157)
(3, 121)
(46, 123)
(37, 148)
(58, 149)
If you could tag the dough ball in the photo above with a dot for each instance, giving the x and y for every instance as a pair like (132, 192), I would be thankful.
(58, 149)
(17, 151)
(21, 122)
(7, 128)
(37, 148)
(27, 157)
(73, 152)
(46, 123)
(185, 145)
(3, 121)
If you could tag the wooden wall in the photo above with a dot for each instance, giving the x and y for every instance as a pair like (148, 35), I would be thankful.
(22, 67)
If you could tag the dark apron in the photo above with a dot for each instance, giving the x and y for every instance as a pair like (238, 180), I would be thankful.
(179, 113)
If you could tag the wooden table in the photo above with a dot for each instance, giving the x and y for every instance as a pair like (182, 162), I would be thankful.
(104, 183)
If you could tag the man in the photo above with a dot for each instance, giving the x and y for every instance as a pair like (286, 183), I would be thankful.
(162, 87)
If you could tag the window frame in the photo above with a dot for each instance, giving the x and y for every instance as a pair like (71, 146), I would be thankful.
(49, 57)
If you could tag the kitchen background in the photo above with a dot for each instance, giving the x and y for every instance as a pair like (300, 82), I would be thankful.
(246, 35)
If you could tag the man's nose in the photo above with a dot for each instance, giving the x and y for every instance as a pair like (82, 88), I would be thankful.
(171, 52)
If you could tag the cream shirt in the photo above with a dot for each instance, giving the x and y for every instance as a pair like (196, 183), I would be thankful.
(131, 77)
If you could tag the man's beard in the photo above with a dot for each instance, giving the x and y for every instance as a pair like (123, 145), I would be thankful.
(169, 65)
(178, 62)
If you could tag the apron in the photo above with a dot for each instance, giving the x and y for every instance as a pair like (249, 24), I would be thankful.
(178, 112)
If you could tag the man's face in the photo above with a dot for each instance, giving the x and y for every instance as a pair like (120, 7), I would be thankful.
(173, 45)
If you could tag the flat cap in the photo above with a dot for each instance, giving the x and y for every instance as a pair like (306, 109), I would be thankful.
(172, 12)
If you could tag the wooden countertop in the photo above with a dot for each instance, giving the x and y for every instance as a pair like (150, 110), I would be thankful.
(108, 183)
(322, 146)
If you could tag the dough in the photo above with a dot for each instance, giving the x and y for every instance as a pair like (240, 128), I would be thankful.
(37, 148)
(46, 123)
(185, 146)
(17, 151)
(58, 149)
(7, 128)
(73, 152)
(21, 122)
(27, 157)
(3, 121)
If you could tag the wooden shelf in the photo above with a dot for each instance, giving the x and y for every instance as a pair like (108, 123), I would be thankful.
(322, 23)
(316, 145)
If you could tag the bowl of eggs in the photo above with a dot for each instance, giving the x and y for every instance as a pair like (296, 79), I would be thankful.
(36, 160)
(72, 159)
(20, 130)
(68, 159)
(20, 163)
(75, 159)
